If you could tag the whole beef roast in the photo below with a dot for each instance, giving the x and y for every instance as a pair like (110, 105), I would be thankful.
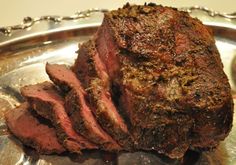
(170, 77)
(46, 101)
(78, 110)
(151, 79)
(93, 75)
(25, 126)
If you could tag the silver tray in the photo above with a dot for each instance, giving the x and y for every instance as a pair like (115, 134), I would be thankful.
(24, 50)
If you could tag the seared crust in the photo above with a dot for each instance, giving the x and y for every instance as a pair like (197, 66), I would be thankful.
(165, 63)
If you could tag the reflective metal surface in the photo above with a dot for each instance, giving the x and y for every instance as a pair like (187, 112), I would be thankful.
(22, 59)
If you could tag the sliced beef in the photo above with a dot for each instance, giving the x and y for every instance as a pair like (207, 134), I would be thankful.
(93, 76)
(31, 131)
(88, 65)
(84, 122)
(46, 101)
(63, 77)
(108, 116)
(166, 64)
(80, 113)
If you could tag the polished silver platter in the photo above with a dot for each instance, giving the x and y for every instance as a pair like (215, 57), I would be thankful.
(25, 48)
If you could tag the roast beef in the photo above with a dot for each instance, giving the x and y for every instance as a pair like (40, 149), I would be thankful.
(153, 79)
(26, 127)
(80, 114)
(170, 76)
(46, 101)
(93, 75)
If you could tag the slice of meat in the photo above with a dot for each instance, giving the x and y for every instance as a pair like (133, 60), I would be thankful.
(88, 65)
(46, 101)
(63, 77)
(107, 115)
(80, 113)
(93, 75)
(31, 131)
(84, 121)
(166, 63)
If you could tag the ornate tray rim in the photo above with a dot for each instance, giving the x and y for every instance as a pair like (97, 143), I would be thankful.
(32, 27)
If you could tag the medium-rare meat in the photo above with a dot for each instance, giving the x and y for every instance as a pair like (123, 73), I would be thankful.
(80, 113)
(108, 116)
(170, 76)
(93, 76)
(83, 121)
(88, 65)
(46, 101)
(31, 131)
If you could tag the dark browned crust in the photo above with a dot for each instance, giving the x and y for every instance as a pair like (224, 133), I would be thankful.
(165, 63)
